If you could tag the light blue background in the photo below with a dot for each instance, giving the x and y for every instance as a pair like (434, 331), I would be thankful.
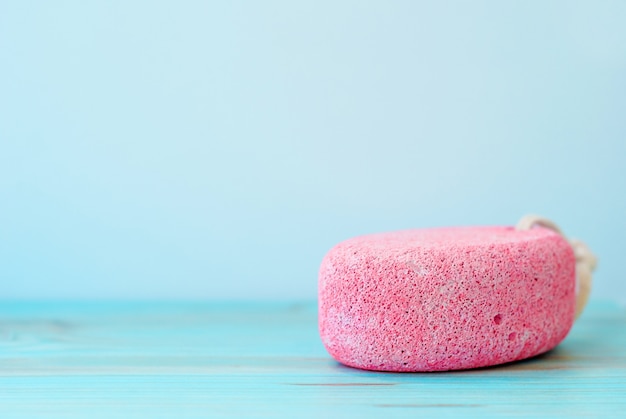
(219, 149)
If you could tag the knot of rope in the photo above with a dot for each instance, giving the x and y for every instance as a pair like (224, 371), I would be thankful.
(585, 260)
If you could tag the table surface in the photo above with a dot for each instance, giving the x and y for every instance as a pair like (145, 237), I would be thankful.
(104, 360)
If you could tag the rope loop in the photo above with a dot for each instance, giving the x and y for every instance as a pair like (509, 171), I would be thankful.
(586, 261)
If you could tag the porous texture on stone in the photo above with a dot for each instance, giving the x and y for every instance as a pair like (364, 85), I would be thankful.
(447, 298)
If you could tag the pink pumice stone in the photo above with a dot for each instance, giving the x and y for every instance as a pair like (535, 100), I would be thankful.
(446, 298)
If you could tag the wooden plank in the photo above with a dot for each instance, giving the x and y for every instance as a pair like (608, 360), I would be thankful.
(98, 360)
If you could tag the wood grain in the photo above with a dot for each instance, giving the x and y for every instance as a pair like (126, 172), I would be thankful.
(157, 360)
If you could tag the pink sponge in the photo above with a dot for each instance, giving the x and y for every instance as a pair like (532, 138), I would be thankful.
(446, 299)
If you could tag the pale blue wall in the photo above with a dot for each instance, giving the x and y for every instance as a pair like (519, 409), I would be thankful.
(219, 149)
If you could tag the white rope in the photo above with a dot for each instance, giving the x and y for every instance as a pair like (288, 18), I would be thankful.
(585, 260)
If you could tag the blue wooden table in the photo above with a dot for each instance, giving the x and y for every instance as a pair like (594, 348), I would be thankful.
(154, 360)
